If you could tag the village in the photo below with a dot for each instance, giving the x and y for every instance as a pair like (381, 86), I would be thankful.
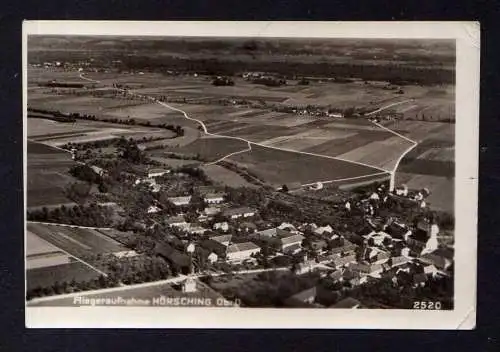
(206, 231)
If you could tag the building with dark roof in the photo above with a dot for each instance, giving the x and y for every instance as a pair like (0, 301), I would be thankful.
(179, 261)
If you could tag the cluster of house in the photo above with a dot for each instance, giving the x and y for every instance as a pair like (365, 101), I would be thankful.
(415, 196)
(403, 255)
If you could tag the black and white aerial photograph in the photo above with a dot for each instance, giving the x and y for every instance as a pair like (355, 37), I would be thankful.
(240, 172)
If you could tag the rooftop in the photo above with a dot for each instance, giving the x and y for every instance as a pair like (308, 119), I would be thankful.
(240, 247)
(238, 211)
(291, 238)
(222, 238)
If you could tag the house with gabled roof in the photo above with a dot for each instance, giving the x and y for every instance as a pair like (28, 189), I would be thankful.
(157, 172)
(343, 261)
(214, 198)
(323, 230)
(180, 201)
(398, 231)
(273, 232)
(225, 240)
(235, 213)
(238, 252)
(290, 242)
(176, 221)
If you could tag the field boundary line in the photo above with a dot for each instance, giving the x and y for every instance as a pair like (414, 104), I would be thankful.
(248, 149)
(394, 132)
(68, 225)
(347, 178)
(389, 106)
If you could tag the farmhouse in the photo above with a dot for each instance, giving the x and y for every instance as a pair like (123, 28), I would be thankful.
(180, 201)
(157, 172)
(323, 230)
(153, 209)
(287, 226)
(211, 211)
(225, 240)
(290, 243)
(195, 230)
(238, 252)
(274, 232)
(176, 221)
(235, 213)
(217, 244)
(98, 170)
(222, 226)
(346, 248)
(213, 198)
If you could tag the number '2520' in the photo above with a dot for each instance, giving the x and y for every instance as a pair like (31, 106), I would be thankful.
(427, 305)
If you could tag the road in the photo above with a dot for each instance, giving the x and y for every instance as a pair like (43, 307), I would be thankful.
(392, 183)
(389, 106)
(250, 143)
(172, 280)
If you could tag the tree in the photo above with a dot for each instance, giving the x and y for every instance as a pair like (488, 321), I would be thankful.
(284, 188)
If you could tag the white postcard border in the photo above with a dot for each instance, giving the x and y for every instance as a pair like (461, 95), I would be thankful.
(466, 181)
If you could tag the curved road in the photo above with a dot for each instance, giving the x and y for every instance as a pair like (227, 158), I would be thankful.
(205, 130)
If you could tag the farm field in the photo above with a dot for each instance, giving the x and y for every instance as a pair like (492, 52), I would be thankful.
(224, 176)
(349, 139)
(383, 154)
(76, 241)
(420, 130)
(40, 253)
(146, 293)
(47, 175)
(280, 167)
(210, 148)
(441, 188)
(59, 133)
(48, 276)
